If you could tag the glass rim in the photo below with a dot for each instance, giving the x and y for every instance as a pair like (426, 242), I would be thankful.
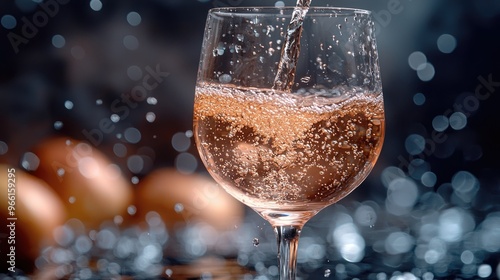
(267, 10)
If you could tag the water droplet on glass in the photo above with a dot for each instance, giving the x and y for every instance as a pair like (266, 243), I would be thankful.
(219, 50)
(271, 51)
(225, 78)
(71, 199)
(240, 37)
(98, 102)
(327, 272)
(305, 79)
(255, 242)
(169, 272)
(237, 48)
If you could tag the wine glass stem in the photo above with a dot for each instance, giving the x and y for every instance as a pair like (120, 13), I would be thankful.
(288, 241)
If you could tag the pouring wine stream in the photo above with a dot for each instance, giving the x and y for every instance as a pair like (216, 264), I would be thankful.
(288, 236)
(291, 48)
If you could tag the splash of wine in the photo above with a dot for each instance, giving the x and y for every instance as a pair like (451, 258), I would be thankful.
(291, 48)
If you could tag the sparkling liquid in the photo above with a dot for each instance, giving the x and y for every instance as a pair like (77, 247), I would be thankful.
(287, 152)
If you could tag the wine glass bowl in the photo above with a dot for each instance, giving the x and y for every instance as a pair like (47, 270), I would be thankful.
(289, 116)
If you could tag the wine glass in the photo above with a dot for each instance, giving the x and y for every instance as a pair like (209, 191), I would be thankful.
(288, 140)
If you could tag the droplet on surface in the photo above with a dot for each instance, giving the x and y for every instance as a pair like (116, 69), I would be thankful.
(225, 78)
(255, 242)
(327, 272)
(305, 79)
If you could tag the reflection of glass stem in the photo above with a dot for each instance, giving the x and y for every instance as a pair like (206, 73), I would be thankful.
(288, 241)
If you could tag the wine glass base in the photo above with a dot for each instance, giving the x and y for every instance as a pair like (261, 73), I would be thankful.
(286, 217)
